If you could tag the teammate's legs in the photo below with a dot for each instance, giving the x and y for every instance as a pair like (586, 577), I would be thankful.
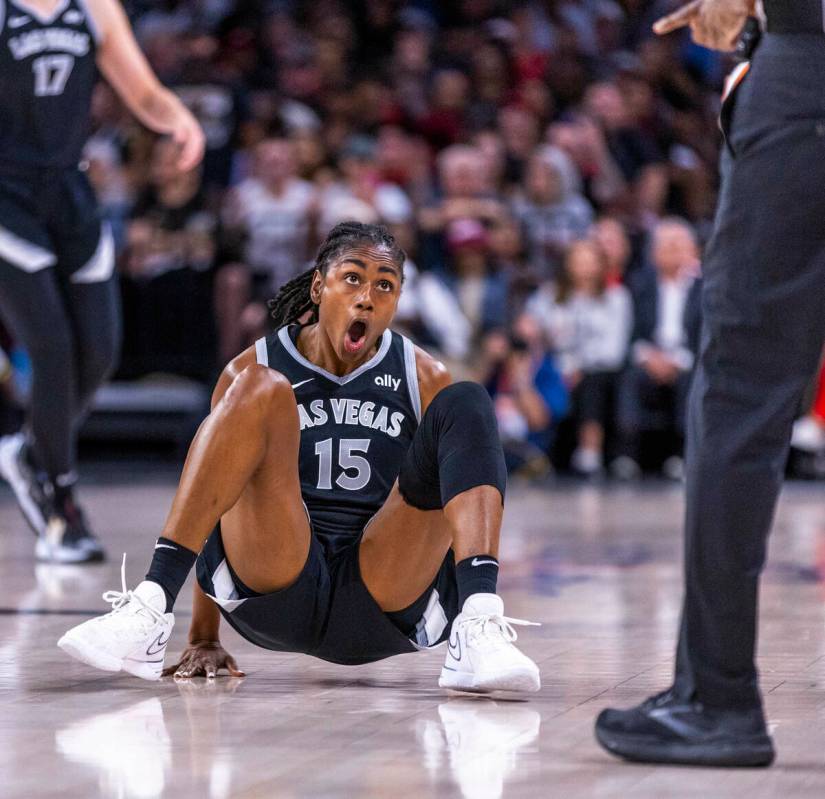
(32, 305)
(94, 314)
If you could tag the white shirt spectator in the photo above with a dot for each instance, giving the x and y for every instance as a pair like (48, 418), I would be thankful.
(670, 336)
(276, 227)
(390, 202)
(427, 299)
(588, 333)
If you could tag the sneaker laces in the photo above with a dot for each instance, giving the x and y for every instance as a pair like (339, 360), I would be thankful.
(494, 628)
(120, 600)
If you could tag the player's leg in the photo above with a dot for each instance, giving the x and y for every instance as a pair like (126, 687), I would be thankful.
(242, 469)
(450, 494)
(89, 290)
(763, 296)
(32, 463)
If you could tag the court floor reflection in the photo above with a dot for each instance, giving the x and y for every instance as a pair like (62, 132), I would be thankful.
(130, 749)
(480, 741)
(599, 568)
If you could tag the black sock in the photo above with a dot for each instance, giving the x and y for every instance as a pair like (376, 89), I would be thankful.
(476, 575)
(170, 567)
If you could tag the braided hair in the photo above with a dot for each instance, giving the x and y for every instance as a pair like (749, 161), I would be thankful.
(293, 300)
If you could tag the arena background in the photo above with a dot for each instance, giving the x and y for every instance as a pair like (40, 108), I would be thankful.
(550, 168)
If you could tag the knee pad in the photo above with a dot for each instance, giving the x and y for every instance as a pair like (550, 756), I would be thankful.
(455, 448)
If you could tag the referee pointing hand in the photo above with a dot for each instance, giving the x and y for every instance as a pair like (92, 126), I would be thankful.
(764, 325)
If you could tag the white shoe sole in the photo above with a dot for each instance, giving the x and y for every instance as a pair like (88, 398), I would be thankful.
(85, 653)
(10, 472)
(516, 680)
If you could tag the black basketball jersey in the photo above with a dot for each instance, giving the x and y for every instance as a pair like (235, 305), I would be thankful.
(47, 74)
(355, 429)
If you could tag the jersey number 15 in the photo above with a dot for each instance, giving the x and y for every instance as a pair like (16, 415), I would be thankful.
(359, 466)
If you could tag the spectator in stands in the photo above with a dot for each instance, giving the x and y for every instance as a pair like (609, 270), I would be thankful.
(269, 222)
(480, 291)
(653, 392)
(166, 275)
(609, 233)
(486, 135)
(551, 209)
(632, 148)
(361, 180)
(464, 176)
(588, 322)
(529, 395)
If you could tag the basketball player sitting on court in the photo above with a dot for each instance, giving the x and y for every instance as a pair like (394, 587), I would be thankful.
(350, 499)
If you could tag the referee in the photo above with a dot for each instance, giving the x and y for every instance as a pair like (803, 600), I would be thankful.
(764, 325)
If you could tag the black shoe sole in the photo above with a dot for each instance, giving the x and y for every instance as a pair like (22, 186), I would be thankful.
(753, 752)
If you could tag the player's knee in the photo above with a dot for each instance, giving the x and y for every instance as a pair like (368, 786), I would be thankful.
(466, 403)
(259, 387)
(456, 448)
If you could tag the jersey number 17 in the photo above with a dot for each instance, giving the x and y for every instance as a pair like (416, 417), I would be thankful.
(51, 73)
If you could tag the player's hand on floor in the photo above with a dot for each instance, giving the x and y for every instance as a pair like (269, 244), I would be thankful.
(203, 659)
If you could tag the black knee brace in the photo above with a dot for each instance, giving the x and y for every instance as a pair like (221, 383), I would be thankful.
(455, 448)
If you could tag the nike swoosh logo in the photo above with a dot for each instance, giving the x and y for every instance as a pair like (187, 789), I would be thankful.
(18, 22)
(296, 385)
(452, 648)
(477, 562)
(160, 645)
(164, 546)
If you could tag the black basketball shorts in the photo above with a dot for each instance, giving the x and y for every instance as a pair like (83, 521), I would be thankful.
(328, 611)
(49, 218)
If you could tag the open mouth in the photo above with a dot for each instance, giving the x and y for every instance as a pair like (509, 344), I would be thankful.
(356, 337)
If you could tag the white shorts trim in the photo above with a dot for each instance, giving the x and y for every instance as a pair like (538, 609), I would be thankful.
(99, 268)
(226, 592)
(431, 624)
(261, 354)
(23, 254)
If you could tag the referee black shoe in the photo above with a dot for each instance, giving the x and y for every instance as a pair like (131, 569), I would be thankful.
(668, 729)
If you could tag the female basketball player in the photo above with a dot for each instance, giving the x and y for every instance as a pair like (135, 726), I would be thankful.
(57, 287)
(357, 496)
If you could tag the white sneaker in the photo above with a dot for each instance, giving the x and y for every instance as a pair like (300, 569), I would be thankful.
(480, 654)
(131, 638)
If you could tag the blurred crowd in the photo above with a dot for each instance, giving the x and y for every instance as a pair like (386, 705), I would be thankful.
(549, 166)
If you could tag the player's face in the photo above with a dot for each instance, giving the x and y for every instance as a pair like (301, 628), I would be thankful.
(357, 299)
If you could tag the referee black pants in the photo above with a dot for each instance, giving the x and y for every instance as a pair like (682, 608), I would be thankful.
(764, 325)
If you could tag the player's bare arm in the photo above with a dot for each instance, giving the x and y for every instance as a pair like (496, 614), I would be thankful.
(125, 67)
(432, 376)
